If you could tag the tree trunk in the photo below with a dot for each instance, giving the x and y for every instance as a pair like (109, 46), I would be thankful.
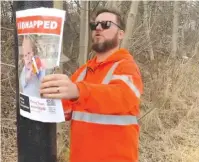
(109, 4)
(175, 29)
(58, 4)
(182, 43)
(130, 24)
(147, 30)
(196, 51)
(113, 4)
(83, 46)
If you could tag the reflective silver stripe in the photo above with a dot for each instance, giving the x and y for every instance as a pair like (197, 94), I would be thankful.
(108, 76)
(104, 119)
(128, 81)
(82, 75)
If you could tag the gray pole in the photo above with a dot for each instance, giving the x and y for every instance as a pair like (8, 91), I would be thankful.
(36, 140)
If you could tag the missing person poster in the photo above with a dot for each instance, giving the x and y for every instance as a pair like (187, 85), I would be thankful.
(40, 32)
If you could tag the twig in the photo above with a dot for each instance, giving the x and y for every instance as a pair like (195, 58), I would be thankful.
(4, 79)
(60, 151)
(70, 22)
(146, 114)
(8, 119)
(81, 8)
(137, 53)
(10, 65)
(10, 29)
(135, 30)
(10, 83)
(95, 7)
(11, 128)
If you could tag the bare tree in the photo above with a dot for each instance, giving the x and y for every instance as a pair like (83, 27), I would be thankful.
(130, 24)
(196, 51)
(84, 35)
(147, 30)
(175, 29)
(58, 4)
(109, 4)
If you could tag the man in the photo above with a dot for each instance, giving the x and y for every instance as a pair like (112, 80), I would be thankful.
(104, 95)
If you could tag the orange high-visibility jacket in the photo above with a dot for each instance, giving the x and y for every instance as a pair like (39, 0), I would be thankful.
(104, 126)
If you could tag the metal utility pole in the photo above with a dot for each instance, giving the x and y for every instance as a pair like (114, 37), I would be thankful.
(36, 140)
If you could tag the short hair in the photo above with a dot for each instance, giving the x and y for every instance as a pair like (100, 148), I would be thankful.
(33, 43)
(119, 18)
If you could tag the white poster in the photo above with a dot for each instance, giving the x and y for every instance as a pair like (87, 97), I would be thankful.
(40, 32)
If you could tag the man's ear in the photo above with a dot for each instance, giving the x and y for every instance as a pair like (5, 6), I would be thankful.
(121, 34)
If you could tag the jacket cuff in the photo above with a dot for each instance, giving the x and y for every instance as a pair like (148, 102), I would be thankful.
(66, 104)
(83, 94)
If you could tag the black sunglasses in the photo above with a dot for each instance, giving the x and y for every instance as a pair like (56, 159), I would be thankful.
(104, 25)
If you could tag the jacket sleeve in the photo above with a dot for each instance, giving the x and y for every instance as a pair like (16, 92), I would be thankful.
(67, 106)
(120, 96)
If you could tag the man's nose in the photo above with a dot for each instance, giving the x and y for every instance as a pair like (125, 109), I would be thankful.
(99, 27)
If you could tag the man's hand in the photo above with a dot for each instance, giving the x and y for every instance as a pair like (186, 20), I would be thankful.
(58, 86)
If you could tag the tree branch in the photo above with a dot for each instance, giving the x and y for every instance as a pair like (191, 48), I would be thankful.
(10, 65)
(9, 29)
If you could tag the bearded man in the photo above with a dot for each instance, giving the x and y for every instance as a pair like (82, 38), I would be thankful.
(102, 97)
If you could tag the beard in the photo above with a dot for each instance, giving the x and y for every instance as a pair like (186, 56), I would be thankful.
(106, 45)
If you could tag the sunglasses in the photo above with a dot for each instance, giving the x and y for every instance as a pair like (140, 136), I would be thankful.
(104, 25)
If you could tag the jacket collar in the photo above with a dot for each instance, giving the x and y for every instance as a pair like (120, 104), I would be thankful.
(118, 55)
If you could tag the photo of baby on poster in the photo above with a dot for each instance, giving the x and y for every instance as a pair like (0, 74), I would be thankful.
(40, 33)
(33, 67)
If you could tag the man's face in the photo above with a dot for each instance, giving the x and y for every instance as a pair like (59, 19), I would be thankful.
(105, 39)
(27, 53)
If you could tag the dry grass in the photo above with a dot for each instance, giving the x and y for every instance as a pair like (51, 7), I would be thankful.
(170, 131)
(63, 142)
